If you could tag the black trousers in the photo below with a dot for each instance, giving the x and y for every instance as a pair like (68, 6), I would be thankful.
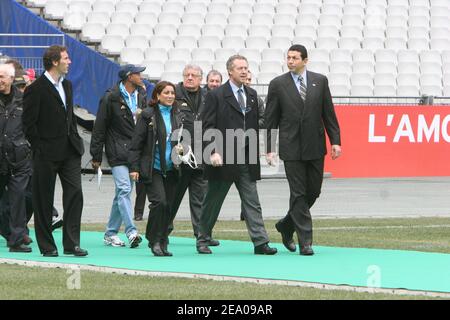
(5, 210)
(15, 221)
(192, 179)
(216, 192)
(44, 178)
(160, 193)
(139, 203)
(305, 182)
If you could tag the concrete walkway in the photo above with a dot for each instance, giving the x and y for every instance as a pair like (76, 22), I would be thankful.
(401, 197)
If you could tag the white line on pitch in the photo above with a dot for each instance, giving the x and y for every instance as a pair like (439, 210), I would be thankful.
(338, 228)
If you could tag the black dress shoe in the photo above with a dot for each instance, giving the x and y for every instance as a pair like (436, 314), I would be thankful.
(203, 250)
(77, 251)
(213, 243)
(306, 250)
(286, 238)
(138, 218)
(53, 253)
(157, 250)
(265, 249)
(165, 251)
(20, 248)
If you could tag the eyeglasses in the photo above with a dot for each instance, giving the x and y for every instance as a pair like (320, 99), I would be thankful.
(187, 75)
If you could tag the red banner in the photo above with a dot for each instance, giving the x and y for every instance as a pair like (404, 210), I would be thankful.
(392, 141)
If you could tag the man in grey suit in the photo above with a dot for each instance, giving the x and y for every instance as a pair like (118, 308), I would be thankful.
(233, 108)
(299, 104)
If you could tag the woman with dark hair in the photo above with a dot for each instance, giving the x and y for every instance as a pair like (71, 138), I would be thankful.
(151, 162)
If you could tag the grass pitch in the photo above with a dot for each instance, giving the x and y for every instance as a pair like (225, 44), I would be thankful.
(420, 234)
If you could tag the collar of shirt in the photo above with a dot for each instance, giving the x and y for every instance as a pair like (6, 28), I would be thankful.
(58, 85)
(303, 74)
(130, 99)
(235, 89)
(55, 83)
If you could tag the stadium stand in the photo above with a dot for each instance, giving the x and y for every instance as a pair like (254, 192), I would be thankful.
(395, 47)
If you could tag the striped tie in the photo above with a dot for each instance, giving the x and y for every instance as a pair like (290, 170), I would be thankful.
(302, 88)
(241, 100)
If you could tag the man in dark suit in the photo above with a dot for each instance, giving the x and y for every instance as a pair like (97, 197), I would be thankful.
(50, 126)
(232, 108)
(299, 105)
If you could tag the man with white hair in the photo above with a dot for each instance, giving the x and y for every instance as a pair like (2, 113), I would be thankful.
(15, 155)
(191, 99)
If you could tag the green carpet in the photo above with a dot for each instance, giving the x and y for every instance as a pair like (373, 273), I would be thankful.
(410, 270)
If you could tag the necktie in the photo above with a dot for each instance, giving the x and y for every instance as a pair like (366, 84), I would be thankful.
(302, 88)
(241, 101)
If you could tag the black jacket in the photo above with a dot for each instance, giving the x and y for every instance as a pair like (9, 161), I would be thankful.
(49, 127)
(222, 112)
(191, 113)
(301, 124)
(15, 151)
(150, 133)
(261, 109)
(114, 127)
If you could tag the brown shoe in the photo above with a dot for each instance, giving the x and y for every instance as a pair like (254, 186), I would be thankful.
(265, 249)
(27, 240)
(306, 250)
(203, 250)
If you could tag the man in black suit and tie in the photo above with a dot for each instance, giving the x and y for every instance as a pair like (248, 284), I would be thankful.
(299, 104)
(232, 108)
(50, 126)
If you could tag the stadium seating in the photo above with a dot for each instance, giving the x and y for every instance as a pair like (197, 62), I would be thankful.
(395, 47)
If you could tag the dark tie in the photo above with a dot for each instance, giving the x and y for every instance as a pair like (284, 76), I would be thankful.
(302, 88)
(241, 101)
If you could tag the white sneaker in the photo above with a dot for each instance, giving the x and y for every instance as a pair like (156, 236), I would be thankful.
(113, 241)
(134, 239)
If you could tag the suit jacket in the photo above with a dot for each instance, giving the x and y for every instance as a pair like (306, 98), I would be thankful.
(222, 112)
(301, 124)
(50, 128)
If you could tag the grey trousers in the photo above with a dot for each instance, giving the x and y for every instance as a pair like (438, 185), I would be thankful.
(214, 198)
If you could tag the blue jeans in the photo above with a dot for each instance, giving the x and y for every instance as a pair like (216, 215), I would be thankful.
(121, 210)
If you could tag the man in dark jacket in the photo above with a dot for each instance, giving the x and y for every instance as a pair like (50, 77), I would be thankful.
(300, 106)
(50, 126)
(233, 108)
(114, 127)
(191, 101)
(15, 156)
